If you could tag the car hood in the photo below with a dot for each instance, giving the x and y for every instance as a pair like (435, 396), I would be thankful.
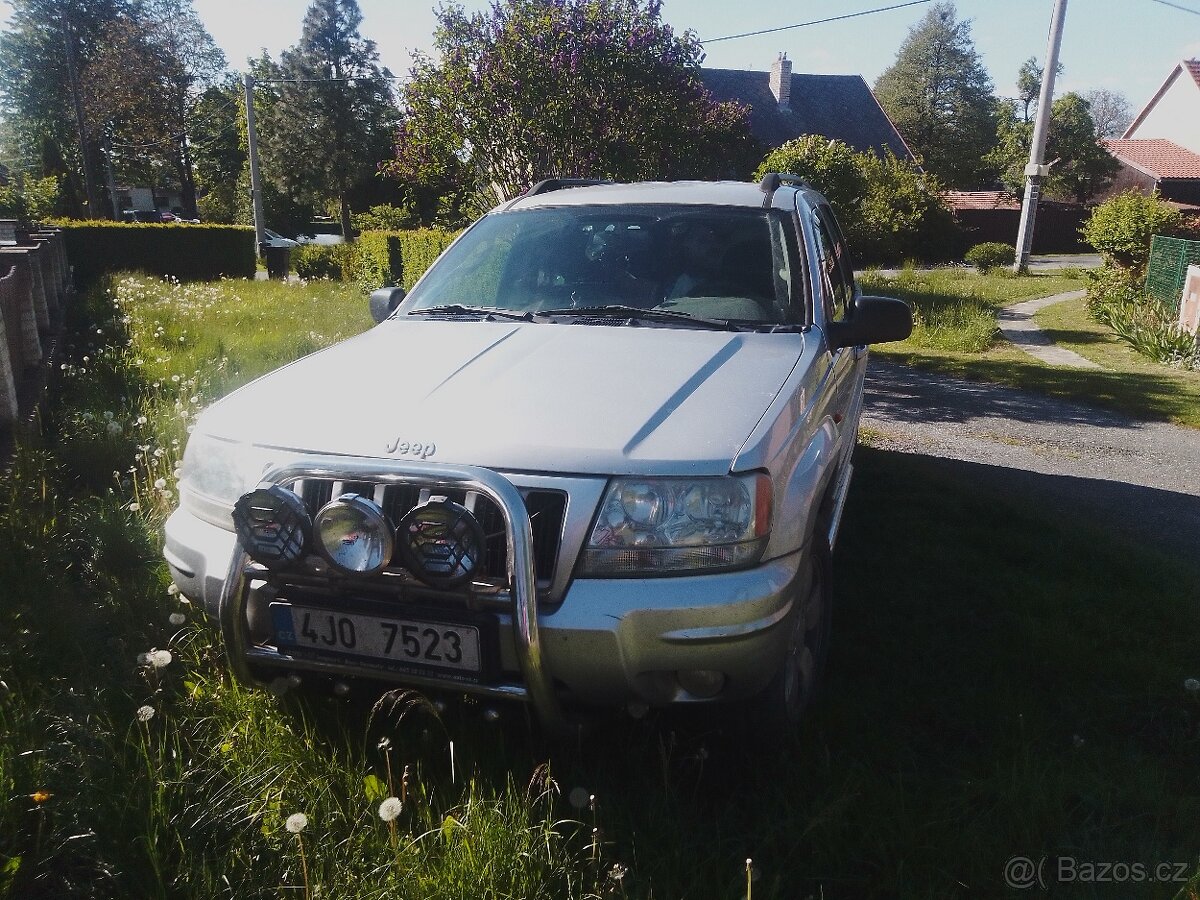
(594, 399)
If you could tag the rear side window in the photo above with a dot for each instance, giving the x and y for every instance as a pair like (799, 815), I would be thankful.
(837, 273)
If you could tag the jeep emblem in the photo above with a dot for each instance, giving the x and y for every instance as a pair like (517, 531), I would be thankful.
(412, 448)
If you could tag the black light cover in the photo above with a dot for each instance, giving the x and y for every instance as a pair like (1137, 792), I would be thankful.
(273, 525)
(441, 542)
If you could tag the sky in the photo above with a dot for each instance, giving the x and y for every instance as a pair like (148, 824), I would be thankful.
(1129, 46)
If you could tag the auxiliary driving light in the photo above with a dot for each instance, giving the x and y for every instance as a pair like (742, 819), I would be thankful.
(353, 533)
(273, 525)
(441, 542)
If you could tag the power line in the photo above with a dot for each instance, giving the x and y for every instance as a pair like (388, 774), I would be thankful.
(1194, 12)
(854, 15)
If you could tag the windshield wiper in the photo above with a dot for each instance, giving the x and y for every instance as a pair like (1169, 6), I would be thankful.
(634, 313)
(484, 312)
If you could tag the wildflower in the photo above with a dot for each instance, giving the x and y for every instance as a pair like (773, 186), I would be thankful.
(114, 428)
(135, 506)
(173, 589)
(160, 453)
(145, 713)
(390, 808)
(177, 618)
(1191, 685)
(142, 420)
(159, 659)
(296, 823)
(385, 743)
(160, 483)
(40, 797)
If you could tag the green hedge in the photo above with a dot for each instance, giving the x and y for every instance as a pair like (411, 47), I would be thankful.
(188, 252)
(333, 261)
(387, 258)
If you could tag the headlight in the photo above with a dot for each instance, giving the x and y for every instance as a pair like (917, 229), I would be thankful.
(273, 525)
(353, 533)
(222, 470)
(649, 526)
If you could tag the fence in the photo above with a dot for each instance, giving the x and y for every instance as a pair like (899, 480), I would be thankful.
(34, 283)
(1167, 270)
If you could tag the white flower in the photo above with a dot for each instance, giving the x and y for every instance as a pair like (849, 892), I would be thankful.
(145, 713)
(160, 483)
(296, 823)
(177, 618)
(114, 428)
(173, 589)
(142, 420)
(159, 659)
(134, 507)
(390, 808)
(1191, 685)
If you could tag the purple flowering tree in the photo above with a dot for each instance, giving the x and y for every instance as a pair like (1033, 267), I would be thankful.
(584, 88)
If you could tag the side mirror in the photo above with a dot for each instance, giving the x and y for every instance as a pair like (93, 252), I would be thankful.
(384, 302)
(874, 320)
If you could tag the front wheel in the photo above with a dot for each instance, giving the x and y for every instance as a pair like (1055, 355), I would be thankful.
(782, 704)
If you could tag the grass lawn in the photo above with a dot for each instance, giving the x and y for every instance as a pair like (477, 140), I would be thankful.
(1004, 682)
(956, 334)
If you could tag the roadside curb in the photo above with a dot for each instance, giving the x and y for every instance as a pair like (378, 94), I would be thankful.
(1018, 326)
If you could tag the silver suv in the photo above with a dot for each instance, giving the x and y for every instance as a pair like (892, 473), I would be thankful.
(597, 456)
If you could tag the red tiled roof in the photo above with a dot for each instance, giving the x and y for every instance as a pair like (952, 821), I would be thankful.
(1156, 156)
(1193, 67)
(980, 200)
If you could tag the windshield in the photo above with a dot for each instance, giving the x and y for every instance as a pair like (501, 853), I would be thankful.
(708, 262)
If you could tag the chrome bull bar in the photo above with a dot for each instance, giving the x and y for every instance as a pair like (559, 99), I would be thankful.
(538, 688)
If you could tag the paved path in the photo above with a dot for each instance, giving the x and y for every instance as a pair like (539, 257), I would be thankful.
(1017, 324)
(1141, 480)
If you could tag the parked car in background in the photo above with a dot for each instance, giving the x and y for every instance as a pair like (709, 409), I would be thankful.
(278, 241)
(597, 457)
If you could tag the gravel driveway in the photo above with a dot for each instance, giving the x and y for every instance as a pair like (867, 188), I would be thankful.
(1141, 480)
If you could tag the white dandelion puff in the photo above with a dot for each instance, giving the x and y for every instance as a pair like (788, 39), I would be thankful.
(145, 713)
(173, 589)
(1192, 685)
(177, 618)
(159, 659)
(296, 823)
(390, 808)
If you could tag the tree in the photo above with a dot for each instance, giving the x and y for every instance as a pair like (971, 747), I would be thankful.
(1122, 227)
(598, 88)
(333, 119)
(1081, 165)
(1029, 84)
(1110, 111)
(940, 97)
(43, 52)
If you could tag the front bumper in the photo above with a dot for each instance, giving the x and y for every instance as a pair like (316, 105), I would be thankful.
(608, 642)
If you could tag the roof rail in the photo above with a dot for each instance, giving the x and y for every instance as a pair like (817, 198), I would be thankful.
(557, 184)
(772, 181)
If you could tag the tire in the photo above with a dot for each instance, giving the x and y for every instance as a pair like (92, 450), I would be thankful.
(782, 704)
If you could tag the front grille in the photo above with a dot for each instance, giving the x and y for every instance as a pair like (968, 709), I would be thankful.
(546, 511)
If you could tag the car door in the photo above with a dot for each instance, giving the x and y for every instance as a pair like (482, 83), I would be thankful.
(834, 291)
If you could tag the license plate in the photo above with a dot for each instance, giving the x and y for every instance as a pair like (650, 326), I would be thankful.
(410, 643)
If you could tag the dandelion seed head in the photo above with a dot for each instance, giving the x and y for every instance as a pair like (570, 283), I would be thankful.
(1192, 685)
(160, 483)
(159, 658)
(145, 713)
(177, 618)
(390, 808)
(296, 823)
(578, 797)
(173, 589)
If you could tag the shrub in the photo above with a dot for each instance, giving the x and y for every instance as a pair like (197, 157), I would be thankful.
(387, 258)
(1121, 227)
(335, 262)
(1115, 298)
(829, 165)
(384, 217)
(990, 255)
(187, 252)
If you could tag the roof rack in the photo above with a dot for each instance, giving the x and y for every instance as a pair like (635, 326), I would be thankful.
(772, 181)
(557, 184)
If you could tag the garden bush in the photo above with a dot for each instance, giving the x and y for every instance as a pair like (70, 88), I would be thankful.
(990, 255)
(386, 258)
(335, 262)
(186, 252)
(1116, 298)
(1121, 227)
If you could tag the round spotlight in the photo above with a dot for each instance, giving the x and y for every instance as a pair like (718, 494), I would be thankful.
(273, 525)
(354, 535)
(441, 542)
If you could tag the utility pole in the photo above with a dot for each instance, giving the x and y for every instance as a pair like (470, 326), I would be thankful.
(255, 181)
(1036, 170)
(108, 177)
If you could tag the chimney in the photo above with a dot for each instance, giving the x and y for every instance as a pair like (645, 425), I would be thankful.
(781, 81)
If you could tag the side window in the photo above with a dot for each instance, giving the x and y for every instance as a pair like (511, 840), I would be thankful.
(837, 275)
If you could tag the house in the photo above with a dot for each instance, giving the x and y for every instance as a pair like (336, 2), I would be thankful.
(1173, 113)
(1156, 164)
(784, 106)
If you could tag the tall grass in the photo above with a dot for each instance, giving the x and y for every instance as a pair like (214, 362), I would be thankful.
(1005, 681)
